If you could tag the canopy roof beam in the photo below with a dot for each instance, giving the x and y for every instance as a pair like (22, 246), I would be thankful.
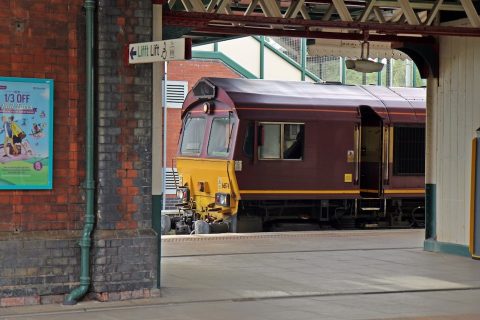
(255, 24)
(471, 12)
(383, 18)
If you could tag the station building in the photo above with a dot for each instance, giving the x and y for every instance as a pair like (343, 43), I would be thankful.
(40, 228)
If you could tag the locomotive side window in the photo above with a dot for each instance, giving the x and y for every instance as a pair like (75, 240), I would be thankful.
(293, 141)
(281, 141)
(220, 137)
(270, 146)
(409, 151)
(192, 139)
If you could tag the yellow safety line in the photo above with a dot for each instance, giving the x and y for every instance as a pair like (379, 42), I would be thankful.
(370, 190)
(407, 191)
(472, 196)
(300, 191)
(400, 191)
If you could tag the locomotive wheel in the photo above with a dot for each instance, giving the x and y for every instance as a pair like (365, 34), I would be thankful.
(418, 217)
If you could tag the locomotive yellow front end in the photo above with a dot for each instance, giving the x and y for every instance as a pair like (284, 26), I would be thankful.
(207, 189)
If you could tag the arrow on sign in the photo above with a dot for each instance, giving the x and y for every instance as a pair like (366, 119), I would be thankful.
(132, 53)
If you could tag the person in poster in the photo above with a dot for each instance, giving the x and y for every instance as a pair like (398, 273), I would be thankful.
(8, 145)
(15, 145)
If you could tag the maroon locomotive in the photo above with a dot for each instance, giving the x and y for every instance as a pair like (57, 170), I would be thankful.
(265, 155)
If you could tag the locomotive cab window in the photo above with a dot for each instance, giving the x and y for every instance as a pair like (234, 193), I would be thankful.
(192, 138)
(281, 141)
(220, 137)
(409, 151)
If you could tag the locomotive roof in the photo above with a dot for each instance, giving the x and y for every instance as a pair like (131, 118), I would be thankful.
(249, 97)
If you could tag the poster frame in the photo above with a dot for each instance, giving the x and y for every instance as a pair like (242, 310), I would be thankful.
(49, 183)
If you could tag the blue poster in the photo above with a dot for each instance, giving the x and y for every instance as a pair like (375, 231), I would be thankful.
(26, 133)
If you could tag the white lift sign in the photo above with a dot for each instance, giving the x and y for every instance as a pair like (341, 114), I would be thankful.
(158, 51)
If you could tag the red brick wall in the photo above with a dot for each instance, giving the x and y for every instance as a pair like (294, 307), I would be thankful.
(174, 125)
(40, 39)
(124, 111)
(190, 71)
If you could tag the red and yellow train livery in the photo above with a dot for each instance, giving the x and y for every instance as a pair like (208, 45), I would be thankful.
(261, 155)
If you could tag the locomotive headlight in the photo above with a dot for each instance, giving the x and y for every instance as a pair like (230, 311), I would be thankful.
(183, 194)
(222, 199)
(208, 107)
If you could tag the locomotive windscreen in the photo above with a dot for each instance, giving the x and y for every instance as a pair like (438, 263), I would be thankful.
(409, 151)
(192, 138)
(220, 136)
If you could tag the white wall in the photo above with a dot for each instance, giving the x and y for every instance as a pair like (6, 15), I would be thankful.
(205, 47)
(456, 116)
(244, 51)
(277, 68)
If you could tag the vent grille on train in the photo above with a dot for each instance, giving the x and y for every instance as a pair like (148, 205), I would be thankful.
(176, 93)
(409, 151)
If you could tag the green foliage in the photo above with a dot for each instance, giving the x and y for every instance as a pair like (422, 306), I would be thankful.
(398, 73)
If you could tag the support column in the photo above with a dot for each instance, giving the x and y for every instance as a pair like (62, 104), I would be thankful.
(388, 75)
(262, 57)
(379, 75)
(303, 57)
(414, 75)
(157, 135)
(408, 73)
(343, 71)
(430, 163)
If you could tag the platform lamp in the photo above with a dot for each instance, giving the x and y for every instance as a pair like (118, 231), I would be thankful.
(363, 64)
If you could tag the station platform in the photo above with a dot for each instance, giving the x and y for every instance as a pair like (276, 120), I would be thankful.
(372, 274)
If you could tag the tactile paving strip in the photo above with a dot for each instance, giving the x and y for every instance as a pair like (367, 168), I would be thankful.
(272, 235)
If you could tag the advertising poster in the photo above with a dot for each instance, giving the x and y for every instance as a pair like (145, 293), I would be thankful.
(26, 133)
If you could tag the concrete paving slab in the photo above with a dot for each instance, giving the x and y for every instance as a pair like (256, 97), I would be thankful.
(315, 275)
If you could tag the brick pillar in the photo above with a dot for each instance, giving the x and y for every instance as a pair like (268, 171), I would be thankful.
(124, 255)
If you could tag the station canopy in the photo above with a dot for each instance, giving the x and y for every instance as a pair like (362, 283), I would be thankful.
(345, 23)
